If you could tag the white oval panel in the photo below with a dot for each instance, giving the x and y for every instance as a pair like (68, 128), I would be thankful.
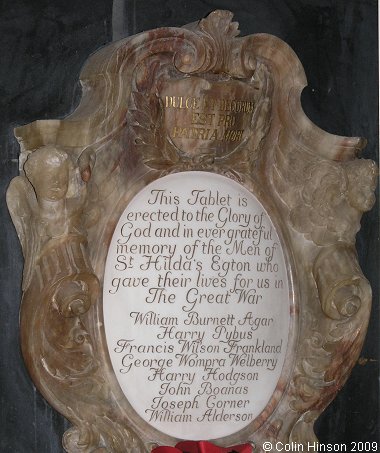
(196, 305)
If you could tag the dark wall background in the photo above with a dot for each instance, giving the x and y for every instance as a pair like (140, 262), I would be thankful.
(44, 44)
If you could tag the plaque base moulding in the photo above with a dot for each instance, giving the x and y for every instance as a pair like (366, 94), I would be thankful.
(191, 165)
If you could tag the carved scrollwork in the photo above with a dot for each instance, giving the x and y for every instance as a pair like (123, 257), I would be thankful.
(57, 269)
(341, 284)
(303, 430)
(325, 366)
(217, 34)
(328, 354)
(315, 187)
(60, 289)
(69, 287)
(101, 435)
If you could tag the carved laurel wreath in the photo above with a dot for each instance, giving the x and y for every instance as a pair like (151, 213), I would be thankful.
(159, 152)
(316, 185)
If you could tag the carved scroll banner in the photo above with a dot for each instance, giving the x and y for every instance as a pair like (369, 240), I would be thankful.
(189, 242)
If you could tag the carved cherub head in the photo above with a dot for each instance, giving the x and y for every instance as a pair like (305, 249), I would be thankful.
(47, 169)
(362, 179)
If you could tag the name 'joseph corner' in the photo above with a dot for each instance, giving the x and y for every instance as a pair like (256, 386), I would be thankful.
(190, 265)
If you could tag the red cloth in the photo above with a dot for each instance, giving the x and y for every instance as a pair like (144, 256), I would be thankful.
(203, 447)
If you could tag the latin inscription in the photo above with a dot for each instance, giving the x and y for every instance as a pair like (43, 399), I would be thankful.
(209, 118)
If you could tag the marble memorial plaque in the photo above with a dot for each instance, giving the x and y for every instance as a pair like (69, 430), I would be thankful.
(189, 243)
(196, 305)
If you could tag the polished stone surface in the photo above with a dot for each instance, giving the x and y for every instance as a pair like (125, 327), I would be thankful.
(318, 18)
(196, 281)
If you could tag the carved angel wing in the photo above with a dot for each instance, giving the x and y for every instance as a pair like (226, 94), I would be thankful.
(22, 204)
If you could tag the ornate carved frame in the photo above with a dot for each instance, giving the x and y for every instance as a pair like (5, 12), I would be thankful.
(113, 145)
